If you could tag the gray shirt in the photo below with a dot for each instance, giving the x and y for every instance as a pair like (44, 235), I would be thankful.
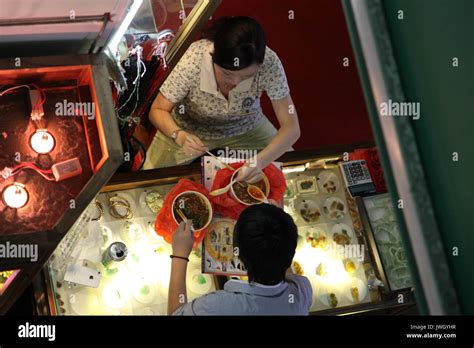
(292, 297)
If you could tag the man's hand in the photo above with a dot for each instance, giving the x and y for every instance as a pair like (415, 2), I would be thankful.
(183, 239)
(191, 144)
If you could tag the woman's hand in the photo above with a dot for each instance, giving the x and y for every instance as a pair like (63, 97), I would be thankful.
(250, 173)
(191, 144)
(183, 239)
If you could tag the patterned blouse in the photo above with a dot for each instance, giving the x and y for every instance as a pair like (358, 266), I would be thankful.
(200, 106)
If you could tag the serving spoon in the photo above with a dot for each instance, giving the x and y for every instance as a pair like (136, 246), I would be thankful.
(256, 193)
(223, 189)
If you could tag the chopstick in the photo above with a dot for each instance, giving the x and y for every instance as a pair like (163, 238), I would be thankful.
(185, 219)
(217, 158)
(214, 156)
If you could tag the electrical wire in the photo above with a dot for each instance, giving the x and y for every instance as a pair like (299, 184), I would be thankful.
(140, 145)
(40, 100)
(13, 88)
(8, 172)
(43, 175)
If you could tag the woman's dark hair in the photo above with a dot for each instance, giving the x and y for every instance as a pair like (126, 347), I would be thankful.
(237, 37)
(266, 238)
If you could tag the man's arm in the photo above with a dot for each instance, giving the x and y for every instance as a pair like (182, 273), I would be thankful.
(182, 245)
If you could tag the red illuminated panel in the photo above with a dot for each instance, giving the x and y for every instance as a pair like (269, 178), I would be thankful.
(71, 128)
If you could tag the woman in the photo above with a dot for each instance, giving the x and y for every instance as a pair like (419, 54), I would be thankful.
(211, 100)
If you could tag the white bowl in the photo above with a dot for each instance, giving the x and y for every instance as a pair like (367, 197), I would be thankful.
(206, 201)
(267, 188)
(359, 284)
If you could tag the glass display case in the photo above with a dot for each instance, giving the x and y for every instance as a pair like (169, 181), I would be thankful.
(379, 217)
(331, 250)
(334, 247)
(136, 285)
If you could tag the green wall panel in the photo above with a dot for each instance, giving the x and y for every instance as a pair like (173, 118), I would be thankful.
(425, 41)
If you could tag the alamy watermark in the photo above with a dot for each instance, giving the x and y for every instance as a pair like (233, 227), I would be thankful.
(350, 251)
(75, 109)
(394, 108)
(19, 251)
(37, 331)
(248, 156)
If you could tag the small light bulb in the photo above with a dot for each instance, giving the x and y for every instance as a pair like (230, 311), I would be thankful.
(15, 196)
(42, 141)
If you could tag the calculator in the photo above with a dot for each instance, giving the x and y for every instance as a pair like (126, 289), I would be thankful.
(357, 177)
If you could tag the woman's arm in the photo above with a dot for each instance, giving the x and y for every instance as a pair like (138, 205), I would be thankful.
(286, 136)
(160, 116)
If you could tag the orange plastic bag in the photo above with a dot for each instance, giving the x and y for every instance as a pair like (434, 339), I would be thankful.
(165, 225)
(227, 206)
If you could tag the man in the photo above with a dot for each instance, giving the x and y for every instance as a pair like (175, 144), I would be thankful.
(266, 240)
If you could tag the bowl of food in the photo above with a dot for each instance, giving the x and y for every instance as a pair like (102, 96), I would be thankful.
(309, 211)
(351, 265)
(239, 189)
(330, 298)
(342, 234)
(328, 182)
(306, 184)
(317, 238)
(194, 206)
(334, 208)
(356, 291)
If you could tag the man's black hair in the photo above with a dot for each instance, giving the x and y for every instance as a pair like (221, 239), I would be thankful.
(266, 238)
(238, 42)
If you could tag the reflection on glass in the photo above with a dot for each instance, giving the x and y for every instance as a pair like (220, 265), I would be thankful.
(389, 244)
(6, 278)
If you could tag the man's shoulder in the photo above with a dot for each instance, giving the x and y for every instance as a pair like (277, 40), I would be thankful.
(298, 280)
(216, 303)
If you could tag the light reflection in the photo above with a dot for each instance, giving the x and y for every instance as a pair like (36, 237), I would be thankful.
(42, 141)
(15, 196)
